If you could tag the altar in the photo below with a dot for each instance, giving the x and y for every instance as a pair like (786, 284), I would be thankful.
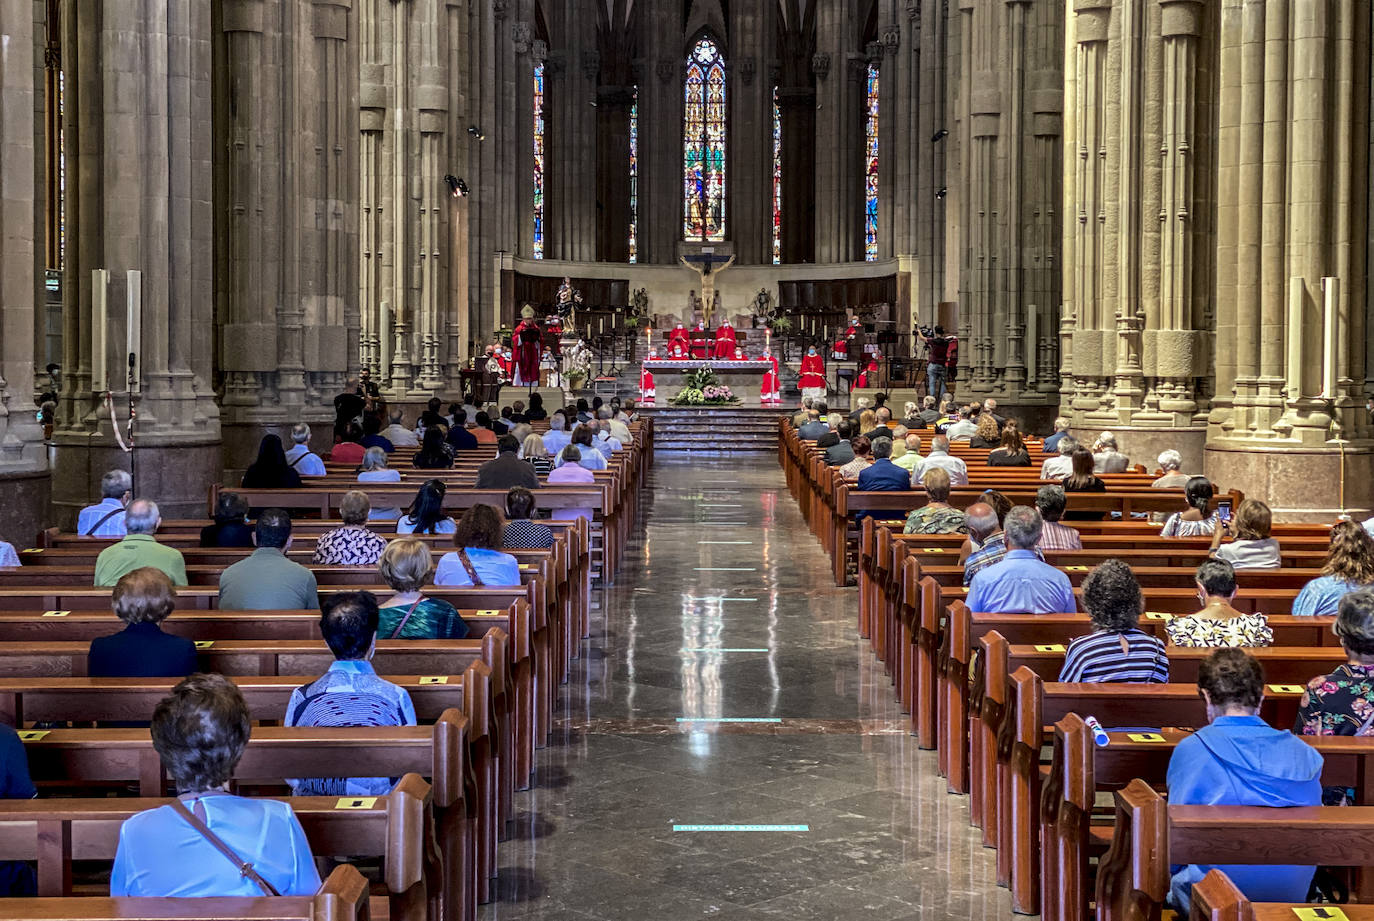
(743, 377)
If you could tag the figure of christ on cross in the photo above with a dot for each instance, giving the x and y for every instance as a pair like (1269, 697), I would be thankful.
(707, 265)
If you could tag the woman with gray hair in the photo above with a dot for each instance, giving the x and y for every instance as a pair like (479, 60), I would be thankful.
(354, 544)
(1117, 650)
(1170, 465)
(374, 470)
(1342, 703)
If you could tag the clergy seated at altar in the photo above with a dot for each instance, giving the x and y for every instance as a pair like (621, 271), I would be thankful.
(725, 346)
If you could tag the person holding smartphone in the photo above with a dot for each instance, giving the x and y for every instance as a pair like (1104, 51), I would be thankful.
(1252, 548)
(1194, 521)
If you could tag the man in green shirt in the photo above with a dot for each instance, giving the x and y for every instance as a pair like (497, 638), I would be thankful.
(139, 548)
(267, 580)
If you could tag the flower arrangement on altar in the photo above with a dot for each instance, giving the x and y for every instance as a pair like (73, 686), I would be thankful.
(702, 389)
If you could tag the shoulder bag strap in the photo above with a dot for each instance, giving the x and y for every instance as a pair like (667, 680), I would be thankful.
(96, 527)
(244, 867)
(404, 620)
(299, 457)
(472, 571)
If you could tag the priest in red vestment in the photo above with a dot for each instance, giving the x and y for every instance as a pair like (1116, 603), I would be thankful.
(646, 377)
(812, 382)
(869, 375)
(526, 341)
(770, 392)
(679, 337)
(701, 348)
(725, 341)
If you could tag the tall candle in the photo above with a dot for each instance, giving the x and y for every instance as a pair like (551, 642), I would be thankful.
(134, 322)
(100, 289)
(1331, 288)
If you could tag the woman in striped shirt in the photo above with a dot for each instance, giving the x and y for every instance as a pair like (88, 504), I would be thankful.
(1117, 650)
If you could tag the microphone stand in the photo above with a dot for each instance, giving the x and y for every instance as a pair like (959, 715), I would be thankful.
(133, 455)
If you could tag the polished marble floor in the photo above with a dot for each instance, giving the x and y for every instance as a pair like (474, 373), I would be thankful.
(725, 610)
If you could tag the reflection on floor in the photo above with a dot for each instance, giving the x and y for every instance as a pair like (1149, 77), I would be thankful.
(725, 610)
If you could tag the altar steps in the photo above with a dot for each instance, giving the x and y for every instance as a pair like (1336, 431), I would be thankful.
(715, 429)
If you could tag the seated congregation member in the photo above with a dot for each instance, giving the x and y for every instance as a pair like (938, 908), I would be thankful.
(375, 471)
(354, 544)
(200, 731)
(231, 528)
(521, 533)
(139, 548)
(939, 456)
(966, 426)
(1196, 520)
(17, 877)
(815, 426)
(1106, 458)
(406, 566)
(1218, 623)
(1012, 452)
(619, 430)
(1253, 548)
(881, 429)
(482, 430)
(106, 517)
(426, 513)
(1342, 703)
(1239, 760)
(832, 437)
(1061, 431)
(911, 458)
(350, 693)
(899, 434)
(556, 438)
(605, 440)
(142, 599)
(1349, 567)
(937, 516)
(270, 470)
(572, 473)
(868, 419)
(299, 457)
(841, 452)
(930, 413)
(1117, 650)
(435, 453)
(478, 559)
(1061, 465)
(534, 453)
(988, 434)
(1021, 583)
(1082, 480)
(506, 469)
(349, 450)
(589, 458)
(398, 434)
(911, 416)
(1050, 502)
(372, 434)
(863, 457)
(882, 474)
(459, 437)
(536, 411)
(1171, 463)
(988, 543)
(267, 580)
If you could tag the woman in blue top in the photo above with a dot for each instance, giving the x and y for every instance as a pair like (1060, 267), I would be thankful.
(478, 561)
(200, 731)
(375, 471)
(1349, 566)
(591, 459)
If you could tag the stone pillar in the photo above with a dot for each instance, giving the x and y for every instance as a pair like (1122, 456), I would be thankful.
(660, 134)
(138, 78)
(749, 176)
(24, 485)
(570, 91)
(840, 69)
(797, 111)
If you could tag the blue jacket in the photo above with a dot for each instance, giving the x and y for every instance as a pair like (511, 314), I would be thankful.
(1243, 761)
(141, 651)
(882, 474)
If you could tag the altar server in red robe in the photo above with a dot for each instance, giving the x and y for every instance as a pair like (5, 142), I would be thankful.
(679, 337)
(869, 375)
(646, 377)
(701, 347)
(678, 348)
(812, 380)
(725, 341)
(771, 390)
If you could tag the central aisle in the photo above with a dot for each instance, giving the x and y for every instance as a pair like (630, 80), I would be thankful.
(725, 610)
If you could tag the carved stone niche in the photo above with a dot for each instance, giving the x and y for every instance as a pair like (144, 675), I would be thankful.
(498, 8)
(820, 65)
(539, 50)
(665, 70)
(591, 64)
(520, 36)
(747, 68)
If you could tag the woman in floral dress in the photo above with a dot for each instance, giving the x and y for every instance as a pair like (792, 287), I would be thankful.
(1342, 703)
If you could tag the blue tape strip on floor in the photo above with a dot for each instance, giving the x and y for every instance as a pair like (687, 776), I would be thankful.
(741, 828)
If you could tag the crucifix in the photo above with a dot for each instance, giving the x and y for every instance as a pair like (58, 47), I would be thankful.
(707, 265)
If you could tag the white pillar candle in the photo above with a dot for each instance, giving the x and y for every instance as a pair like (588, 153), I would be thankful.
(1331, 288)
(100, 292)
(134, 324)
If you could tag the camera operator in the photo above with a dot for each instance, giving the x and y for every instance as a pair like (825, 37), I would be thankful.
(939, 358)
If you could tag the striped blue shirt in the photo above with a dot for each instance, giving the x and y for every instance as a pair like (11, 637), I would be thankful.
(108, 514)
(1130, 656)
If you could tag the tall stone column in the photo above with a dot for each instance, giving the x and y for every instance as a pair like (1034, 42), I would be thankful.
(840, 69)
(749, 182)
(24, 485)
(797, 114)
(615, 95)
(137, 133)
(660, 134)
(570, 90)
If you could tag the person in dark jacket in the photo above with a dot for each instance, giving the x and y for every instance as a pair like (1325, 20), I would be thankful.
(231, 523)
(270, 470)
(142, 599)
(459, 436)
(506, 469)
(882, 474)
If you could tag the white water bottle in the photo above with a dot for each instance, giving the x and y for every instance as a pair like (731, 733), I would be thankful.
(1099, 734)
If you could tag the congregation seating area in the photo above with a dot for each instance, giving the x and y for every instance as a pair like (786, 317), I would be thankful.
(1080, 822)
(424, 852)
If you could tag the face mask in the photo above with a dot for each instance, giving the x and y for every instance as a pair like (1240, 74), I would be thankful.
(811, 351)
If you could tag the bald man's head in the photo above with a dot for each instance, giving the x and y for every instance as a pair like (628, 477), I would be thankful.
(982, 520)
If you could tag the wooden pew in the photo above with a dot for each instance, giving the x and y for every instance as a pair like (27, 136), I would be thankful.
(398, 828)
(1216, 898)
(342, 897)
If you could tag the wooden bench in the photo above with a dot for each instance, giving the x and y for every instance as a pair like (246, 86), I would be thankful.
(1216, 898)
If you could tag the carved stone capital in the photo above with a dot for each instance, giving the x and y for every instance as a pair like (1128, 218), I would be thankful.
(499, 7)
(820, 65)
(891, 39)
(539, 50)
(873, 53)
(555, 64)
(665, 69)
(747, 68)
(520, 37)
(856, 67)
(913, 10)
(591, 64)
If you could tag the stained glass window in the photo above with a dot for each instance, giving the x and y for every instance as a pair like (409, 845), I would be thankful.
(539, 161)
(871, 169)
(703, 144)
(634, 177)
(777, 179)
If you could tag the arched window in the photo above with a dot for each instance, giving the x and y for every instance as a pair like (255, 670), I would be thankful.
(703, 144)
(871, 168)
(539, 161)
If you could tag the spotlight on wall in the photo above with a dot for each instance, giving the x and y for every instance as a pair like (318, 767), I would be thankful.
(476, 132)
(939, 135)
(940, 194)
(456, 186)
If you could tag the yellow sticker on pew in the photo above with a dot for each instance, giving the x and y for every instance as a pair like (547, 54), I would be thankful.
(487, 613)
(1145, 737)
(32, 550)
(1321, 913)
(56, 613)
(526, 567)
(1158, 615)
(32, 735)
(1050, 647)
(933, 549)
(204, 644)
(1076, 568)
(434, 679)
(358, 802)
(1287, 688)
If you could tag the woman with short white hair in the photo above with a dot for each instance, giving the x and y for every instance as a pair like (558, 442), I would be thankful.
(375, 471)
(1171, 466)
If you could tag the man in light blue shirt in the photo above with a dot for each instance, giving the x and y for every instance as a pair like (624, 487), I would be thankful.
(106, 517)
(1021, 583)
(557, 437)
(300, 458)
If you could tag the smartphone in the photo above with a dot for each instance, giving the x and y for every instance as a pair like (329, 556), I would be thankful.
(1224, 510)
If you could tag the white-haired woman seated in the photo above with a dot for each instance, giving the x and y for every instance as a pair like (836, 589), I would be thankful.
(1171, 463)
